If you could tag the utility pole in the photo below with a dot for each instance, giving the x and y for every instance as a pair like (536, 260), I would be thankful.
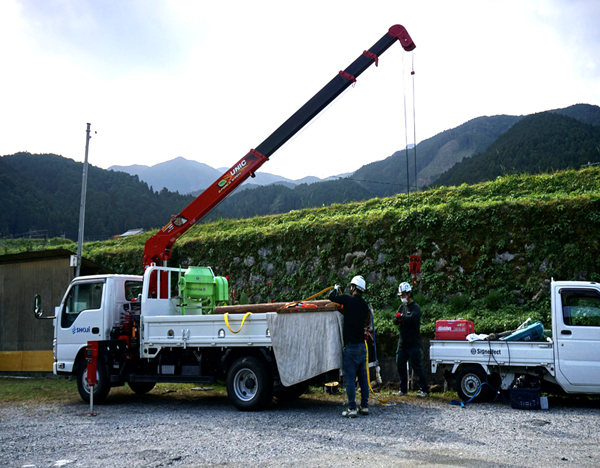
(82, 204)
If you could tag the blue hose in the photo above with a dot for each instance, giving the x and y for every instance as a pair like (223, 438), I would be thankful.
(463, 404)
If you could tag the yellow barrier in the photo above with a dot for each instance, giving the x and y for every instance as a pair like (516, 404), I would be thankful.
(26, 361)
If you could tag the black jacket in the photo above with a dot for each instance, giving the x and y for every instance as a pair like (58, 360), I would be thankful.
(356, 316)
(409, 325)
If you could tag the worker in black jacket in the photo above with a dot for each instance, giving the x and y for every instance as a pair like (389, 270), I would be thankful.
(408, 319)
(356, 316)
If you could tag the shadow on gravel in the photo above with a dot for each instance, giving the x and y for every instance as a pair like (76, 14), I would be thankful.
(213, 399)
(166, 398)
(573, 401)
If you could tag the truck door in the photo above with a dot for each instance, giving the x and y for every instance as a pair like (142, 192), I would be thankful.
(80, 320)
(578, 335)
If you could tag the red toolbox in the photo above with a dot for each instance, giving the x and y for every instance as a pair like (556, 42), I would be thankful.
(453, 329)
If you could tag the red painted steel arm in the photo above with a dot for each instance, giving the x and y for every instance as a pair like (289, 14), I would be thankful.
(158, 247)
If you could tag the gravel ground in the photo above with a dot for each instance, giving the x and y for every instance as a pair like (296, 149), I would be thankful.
(161, 432)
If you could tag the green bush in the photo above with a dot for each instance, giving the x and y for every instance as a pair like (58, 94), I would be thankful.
(494, 300)
(459, 303)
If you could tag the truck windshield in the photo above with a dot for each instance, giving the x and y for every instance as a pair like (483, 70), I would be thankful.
(81, 297)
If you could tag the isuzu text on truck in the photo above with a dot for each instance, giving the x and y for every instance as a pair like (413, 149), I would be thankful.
(166, 325)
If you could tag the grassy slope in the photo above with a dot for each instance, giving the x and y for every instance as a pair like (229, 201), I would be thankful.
(550, 222)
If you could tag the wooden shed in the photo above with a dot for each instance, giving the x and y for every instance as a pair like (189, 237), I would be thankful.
(26, 342)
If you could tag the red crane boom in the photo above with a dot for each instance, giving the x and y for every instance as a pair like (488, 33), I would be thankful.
(158, 247)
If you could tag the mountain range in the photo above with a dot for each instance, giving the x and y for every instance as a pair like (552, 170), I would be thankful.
(192, 177)
(435, 157)
(42, 191)
(544, 142)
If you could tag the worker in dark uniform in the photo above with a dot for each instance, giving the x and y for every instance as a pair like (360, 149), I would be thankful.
(408, 319)
(357, 315)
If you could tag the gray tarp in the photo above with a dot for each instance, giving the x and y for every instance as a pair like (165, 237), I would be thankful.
(306, 344)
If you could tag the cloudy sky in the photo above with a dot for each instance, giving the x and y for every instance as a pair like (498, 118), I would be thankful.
(209, 80)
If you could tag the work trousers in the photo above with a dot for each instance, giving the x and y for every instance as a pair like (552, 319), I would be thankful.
(412, 354)
(355, 364)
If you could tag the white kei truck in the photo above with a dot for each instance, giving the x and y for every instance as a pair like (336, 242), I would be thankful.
(164, 326)
(566, 361)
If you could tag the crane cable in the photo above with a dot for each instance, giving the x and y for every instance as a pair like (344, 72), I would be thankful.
(414, 259)
(412, 74)
(405, 128)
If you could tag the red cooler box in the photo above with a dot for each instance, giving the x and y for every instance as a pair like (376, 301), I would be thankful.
(453, 329)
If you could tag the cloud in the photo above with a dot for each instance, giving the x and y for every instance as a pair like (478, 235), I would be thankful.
(108, 38)
(210, 80)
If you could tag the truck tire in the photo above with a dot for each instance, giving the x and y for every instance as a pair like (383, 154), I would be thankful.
(249, 384)
(141, 388)
(469, 384)
(101, 388)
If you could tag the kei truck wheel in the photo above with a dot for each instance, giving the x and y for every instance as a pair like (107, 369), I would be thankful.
(249, 384)
(469, 384)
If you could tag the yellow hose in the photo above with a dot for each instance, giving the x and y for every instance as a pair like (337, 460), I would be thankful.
(292, 304)
(380, 400)
(225, 316)
(243, 320)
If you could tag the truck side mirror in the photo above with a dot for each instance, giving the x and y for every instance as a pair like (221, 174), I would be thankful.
(37, 308)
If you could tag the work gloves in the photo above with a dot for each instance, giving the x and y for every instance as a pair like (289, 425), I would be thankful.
(397, 318)
(338, 289)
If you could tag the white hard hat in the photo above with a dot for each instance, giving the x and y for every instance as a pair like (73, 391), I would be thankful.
(404, 288)
(359, 282)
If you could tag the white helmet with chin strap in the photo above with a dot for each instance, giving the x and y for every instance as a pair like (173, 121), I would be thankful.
(359, 282)
(404, 288)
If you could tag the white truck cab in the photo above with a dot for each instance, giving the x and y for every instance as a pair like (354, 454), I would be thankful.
(91, 306)
(576, 335)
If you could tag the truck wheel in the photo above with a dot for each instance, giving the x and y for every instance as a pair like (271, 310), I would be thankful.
(101, 388)
(469, 384)
(141, 388)
(249, 384)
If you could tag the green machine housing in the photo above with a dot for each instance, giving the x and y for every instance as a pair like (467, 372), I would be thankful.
(201, 291)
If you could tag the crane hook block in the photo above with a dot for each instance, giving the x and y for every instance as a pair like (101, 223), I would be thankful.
(400, 33)
(414, 266)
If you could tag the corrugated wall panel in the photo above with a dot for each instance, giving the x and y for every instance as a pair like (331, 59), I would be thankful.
(19, 283)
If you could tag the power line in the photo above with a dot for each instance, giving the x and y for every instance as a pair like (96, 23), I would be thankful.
(372, 181)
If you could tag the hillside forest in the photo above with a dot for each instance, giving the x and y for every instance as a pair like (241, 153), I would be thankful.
(42, 191)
